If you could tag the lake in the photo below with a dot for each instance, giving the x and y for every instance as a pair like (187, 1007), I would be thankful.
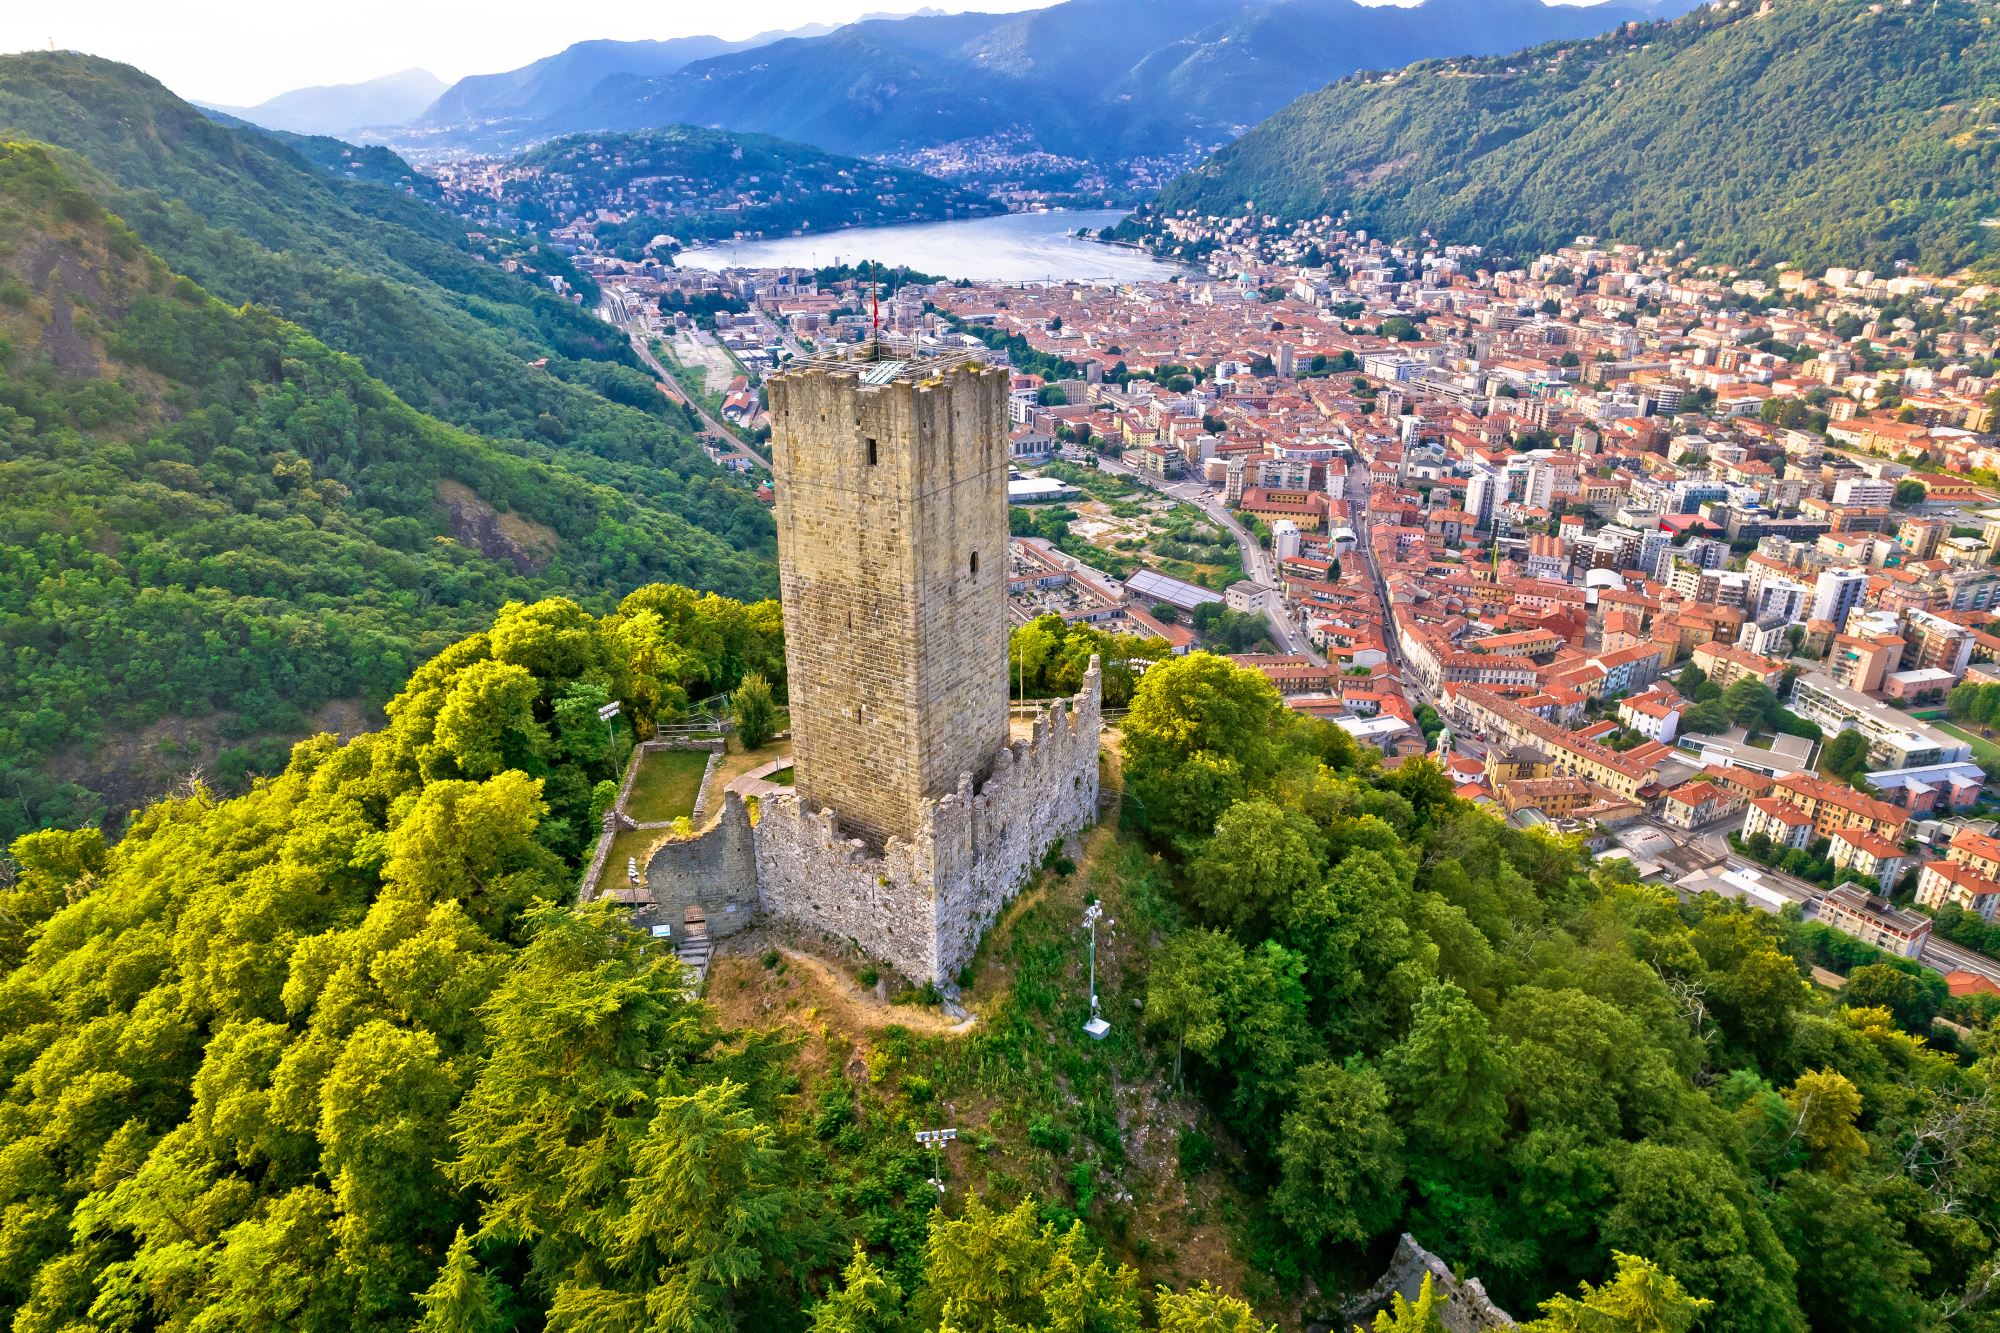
(1015, 247)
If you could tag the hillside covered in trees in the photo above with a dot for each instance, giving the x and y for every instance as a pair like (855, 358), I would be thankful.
(206, 513)
(274, 436)
(1812, 131)
(338, 1054)
(698, 184)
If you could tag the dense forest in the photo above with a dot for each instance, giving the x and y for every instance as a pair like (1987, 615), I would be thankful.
(206, 513)
(340, 1054)
(453, 322)
(700, 184)
(1806, 131)
(275, 435)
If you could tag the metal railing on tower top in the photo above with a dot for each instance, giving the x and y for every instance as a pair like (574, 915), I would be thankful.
(884, 357)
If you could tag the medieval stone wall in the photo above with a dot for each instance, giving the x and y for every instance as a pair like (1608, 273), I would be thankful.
(811, 873)
(1042, 790)
(922, 905)
(714, 871)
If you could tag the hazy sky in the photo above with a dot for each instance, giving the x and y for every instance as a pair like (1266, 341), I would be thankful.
(239, 52)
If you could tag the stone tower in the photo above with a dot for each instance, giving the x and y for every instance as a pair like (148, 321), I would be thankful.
(914, 816)
(892, 554)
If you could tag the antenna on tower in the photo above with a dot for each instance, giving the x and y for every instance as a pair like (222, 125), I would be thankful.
(876, 285)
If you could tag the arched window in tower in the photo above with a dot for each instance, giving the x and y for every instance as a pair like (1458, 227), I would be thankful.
(975, 562)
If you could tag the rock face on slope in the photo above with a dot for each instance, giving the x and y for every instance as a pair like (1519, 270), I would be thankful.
(1466, 1306)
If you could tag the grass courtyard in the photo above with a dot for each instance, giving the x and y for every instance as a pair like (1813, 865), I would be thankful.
(667, 785)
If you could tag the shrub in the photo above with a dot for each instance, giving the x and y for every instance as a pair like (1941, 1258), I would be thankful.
(1046, 1134)
(1197, 1152)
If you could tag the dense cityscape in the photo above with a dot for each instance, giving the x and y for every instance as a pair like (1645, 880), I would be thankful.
(1537, 522)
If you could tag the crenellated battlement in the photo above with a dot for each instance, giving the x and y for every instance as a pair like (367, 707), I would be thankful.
(922, 905)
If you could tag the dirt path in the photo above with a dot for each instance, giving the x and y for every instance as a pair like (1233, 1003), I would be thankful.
(809, 986)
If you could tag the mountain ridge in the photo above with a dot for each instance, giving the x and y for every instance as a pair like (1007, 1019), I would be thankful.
(209, 516)
(343, 109)
(1092, 78)
(698, 184)
(1817, 131)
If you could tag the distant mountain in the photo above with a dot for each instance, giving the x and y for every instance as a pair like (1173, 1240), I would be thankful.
(493, 106)
(1818, 131)
(697, 184)
(1093, 78)
(342, 109)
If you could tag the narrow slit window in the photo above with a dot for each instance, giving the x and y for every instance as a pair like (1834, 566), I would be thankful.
(975, 562)
(871, 452)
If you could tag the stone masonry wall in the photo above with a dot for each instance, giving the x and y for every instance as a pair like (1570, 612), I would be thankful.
(1041, 791)
(922, 906)
(810, 873)
(716, 871)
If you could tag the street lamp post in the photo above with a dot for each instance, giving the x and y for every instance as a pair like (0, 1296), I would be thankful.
(607, 713)
(935, 1139)
(1097, 1028)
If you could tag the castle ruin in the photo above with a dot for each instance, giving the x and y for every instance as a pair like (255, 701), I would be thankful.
(913, 818)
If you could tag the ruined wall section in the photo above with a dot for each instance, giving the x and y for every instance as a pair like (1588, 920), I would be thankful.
(985, 846)
(810, 872)
(715, 870)
(921, 906)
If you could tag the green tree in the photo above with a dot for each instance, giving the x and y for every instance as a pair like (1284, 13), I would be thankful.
(1706, 719)
(1188, 990)
(1857, 1270)
(563, 1094)
(1690, 682)
(1448, 1078)
(1846, 757)
(1354, 927)
(988, 1272)
(755, 713)
(1690, 1210)
(1823, 1107)
(1749, 702)
(1206, 1309)
(1640, 1298)
(713, 1212)
(464, 1298)
(868, 1301)
(487, 723)
(1259, 858)
(1339, 1157)
(1424, 1315)
(1913, 1002)
(473, 841)
(1201, 734)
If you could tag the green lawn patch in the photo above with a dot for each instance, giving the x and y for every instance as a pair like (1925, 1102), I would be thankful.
(668, 782)
(1983, 750)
